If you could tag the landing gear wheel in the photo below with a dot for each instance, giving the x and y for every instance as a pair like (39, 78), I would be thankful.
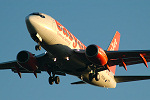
(57, 80)
(51, 81)
(91, 76)
(97, 77)
(37, 47)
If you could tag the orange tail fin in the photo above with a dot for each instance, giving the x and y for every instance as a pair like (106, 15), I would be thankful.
(114, 46)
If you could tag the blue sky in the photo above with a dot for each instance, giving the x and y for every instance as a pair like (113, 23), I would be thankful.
(92, 23)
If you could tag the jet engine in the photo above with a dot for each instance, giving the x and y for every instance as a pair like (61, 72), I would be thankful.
(96, 55)
(27, 60)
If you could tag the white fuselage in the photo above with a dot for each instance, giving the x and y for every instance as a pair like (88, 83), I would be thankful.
(57, 40)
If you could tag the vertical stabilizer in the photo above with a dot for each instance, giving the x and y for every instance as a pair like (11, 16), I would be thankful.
(114, 46)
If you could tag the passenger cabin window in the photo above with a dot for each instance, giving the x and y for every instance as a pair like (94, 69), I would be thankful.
(59, 26)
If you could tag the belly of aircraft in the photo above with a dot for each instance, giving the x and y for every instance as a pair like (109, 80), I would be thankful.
(105, 81)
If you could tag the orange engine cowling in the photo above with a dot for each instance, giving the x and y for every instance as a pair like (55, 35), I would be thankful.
(27, 60)
(96, 55)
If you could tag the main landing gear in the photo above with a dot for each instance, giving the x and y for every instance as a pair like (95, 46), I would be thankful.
(38, 47)
(94, 75)
(53, 79)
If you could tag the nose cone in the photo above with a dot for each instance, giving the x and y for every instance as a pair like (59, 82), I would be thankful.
(31, 23)
(29, 19)
(39, 23)
(33, 20)
(34, 16)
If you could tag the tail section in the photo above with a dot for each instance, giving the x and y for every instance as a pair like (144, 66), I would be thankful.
(114, 46)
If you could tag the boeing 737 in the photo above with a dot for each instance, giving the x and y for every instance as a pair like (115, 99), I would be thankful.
(65, 54)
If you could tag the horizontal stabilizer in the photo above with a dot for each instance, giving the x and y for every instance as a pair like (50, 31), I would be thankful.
(79, 82)
(120, 79)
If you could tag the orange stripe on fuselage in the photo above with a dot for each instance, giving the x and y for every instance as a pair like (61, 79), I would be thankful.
(71, 37)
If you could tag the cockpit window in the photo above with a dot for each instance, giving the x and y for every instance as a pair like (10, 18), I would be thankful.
(39, 14)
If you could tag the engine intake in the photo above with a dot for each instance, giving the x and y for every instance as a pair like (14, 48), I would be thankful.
(23, 56)
(27, 60)
(96, 55)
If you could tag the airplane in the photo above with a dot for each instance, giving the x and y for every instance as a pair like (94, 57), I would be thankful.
(65, 54)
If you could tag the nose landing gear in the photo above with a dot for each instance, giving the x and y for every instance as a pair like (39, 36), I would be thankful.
(37, 38)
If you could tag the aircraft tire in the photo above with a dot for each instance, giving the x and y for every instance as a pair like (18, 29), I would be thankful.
(51, 81)
(97, 77)
(90, 76)
(57, 80)
(37, 47)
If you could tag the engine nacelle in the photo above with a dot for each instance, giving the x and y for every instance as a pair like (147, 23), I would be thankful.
(27, 60)
(96, 55)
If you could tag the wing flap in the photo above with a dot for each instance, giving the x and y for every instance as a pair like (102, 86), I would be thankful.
(120, 79)
(129, 57)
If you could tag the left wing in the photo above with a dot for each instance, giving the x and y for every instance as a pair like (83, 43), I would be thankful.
(121, 58)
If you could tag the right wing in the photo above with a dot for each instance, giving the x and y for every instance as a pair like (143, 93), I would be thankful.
(45, 62)
(8, 65)
(12, 65)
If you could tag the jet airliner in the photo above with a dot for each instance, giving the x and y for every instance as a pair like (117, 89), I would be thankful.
(65, 54)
